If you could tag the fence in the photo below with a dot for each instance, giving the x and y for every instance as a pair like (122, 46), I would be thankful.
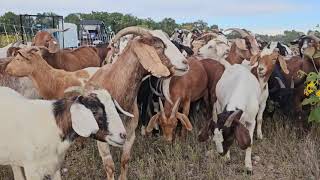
(12, 33)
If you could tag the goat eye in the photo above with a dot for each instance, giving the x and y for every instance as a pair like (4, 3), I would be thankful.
(210, 47)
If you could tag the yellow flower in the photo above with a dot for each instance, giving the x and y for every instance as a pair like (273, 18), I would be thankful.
(306, 92)
(310, 87)
(318, 93)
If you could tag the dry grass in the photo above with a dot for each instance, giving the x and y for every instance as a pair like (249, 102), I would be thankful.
(285, 154)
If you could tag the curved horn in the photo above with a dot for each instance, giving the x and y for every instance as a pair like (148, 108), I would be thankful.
(175, 108)
(121, 110)
(281, 84)
(231, 118)
(162, 109)
(211, 34)
(56, 30)
(130, 30)
(313, 37)
(240, 31)
(292, 84)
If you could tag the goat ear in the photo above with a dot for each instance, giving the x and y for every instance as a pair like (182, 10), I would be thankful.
(152, 123)
(184, 121)
(53, 46)
(283, 64)
(83, 121)
(150, 60)
(242, 135)
(241, 44)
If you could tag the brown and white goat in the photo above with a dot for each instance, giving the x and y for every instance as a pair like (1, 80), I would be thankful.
(187, 88)
(51, 83)
(69, 60)
(151, 53)
(243, 48)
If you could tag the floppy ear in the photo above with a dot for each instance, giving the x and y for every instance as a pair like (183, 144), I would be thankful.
(242, 135)
(152, 123)
(241, 44)
(150, 60)
(184, 121)
(283, 64)
(83, 121)
(53, 46)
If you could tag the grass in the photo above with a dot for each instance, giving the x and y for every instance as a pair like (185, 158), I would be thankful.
(285, 153)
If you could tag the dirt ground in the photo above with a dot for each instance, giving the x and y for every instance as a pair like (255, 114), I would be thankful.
(285, 153)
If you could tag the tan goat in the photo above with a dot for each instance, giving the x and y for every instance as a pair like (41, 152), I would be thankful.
(69, 60)
(152, 53)
(51, 83)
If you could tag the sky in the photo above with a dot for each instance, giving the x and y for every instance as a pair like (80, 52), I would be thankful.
(259, 16)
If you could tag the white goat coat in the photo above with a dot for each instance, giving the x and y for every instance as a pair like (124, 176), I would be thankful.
(29, 136)
(238, 88)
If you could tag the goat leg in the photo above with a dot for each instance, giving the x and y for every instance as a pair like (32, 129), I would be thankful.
(186, 109)
(126, 154)
(106, 156)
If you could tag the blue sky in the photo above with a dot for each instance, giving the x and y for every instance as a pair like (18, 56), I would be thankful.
(260, 16)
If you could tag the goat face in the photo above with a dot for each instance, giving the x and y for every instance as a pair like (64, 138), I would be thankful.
(21, 65)
(111, 128)
(172, 53)
(168, 125)
(266, 64)
(43, 38)
(214, 49)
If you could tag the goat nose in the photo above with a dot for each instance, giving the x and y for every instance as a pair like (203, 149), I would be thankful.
(260, 68)
(123, 135)
(185, 62)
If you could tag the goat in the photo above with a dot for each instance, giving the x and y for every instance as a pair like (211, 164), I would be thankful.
(35, 134)
(187, 88)
(243, 48)
(51, 83)
(69, 60)
(23, 85)
(238, 92)
(212, 45)
(152, 53)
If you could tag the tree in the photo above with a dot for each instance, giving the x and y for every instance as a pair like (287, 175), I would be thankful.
(168, 25)
(9, 18)
(73, 18)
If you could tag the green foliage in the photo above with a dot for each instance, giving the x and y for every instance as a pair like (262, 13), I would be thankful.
(312, 92)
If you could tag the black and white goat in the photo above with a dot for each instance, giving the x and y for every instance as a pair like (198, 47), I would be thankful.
(35, 134)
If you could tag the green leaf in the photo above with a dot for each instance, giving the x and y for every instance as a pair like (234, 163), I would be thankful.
(314, 115)
(312, 77)
(310, 100)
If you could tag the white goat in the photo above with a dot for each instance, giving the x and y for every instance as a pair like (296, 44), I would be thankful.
(35, 134)
(217, 48)
(238, 93)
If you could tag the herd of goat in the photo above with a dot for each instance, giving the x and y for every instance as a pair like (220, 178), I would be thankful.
(51, 96)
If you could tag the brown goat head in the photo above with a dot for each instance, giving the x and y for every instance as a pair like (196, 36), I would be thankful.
(46, 39)
(22, 64)
(266, 64)
(168, 125)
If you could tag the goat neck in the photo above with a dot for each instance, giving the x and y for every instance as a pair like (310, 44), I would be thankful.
(234, 56)
(48, 80)
(125, 75)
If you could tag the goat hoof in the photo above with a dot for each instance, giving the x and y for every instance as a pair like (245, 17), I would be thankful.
(249, 172)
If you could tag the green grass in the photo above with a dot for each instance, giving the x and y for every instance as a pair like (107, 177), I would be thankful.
(285, 153)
